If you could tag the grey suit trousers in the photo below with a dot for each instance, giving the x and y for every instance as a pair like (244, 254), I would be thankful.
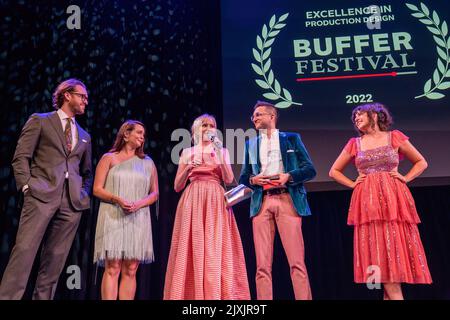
(56, 222)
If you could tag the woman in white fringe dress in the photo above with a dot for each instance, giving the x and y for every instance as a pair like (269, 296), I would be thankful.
(126, 182)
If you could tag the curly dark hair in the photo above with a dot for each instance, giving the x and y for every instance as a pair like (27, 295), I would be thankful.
(384, 117)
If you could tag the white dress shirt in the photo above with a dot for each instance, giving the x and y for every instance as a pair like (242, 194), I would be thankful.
(270, 154)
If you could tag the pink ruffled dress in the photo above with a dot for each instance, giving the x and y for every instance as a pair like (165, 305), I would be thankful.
(384, 216)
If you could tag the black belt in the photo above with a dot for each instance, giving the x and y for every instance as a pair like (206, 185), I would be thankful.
(275, 191)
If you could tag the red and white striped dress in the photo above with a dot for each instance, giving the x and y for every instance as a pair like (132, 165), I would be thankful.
(206, 260)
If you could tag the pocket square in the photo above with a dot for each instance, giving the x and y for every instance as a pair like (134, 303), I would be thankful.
(290, 150)
(84, 140)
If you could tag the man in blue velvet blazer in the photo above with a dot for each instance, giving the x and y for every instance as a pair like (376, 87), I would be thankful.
(275, 166)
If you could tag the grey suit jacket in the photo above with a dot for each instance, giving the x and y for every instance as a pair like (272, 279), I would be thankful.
(41, 160)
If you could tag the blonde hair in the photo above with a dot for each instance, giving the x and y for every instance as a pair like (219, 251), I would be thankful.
(195, 128)
(267, 106)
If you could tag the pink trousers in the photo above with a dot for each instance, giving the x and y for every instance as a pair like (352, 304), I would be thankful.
(279, 210)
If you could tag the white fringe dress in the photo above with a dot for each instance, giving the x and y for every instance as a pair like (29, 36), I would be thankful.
(125, 236)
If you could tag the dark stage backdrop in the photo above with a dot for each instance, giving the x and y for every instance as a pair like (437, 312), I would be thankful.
(160, 62)
(155, 61)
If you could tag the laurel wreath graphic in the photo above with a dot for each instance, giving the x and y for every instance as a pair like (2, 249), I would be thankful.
(440, 35)
(264, 62)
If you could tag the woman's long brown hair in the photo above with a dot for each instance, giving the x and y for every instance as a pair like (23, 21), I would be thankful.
(120, 142)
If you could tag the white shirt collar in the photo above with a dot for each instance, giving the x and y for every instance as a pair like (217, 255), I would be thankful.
(62, 115)
(275, 134)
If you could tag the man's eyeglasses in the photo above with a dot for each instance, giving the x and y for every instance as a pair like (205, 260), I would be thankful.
(81, 95)
(257, 115)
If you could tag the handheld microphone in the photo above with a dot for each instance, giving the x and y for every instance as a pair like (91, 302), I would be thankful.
(213, 138)
(210, 136)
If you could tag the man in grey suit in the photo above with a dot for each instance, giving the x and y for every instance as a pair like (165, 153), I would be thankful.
(52, 167)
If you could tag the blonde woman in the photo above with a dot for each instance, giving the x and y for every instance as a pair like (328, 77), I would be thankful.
(206, 260)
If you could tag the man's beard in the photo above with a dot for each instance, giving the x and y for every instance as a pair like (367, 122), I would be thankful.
(75, 108)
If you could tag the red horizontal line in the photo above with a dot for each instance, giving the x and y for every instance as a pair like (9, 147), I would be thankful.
(372, 75)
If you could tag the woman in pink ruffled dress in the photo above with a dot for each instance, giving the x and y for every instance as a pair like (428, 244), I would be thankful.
(387, 245)
(206, 260)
